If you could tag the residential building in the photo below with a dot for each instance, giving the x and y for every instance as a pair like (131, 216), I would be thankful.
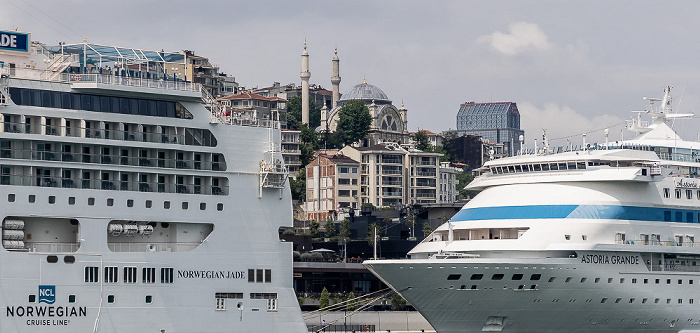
(331, 183)
(291, 151)
(495, 122)
(392, 175)
(448, 183)
(254, 107)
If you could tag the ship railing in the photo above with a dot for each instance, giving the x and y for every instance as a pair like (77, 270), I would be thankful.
(152, 247)
(113, 159)
(112, 184)
(657, 243)
(41, 75)
(52, 247)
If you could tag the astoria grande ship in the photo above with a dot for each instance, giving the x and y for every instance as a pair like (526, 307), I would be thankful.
(594, 239)
(132, 202)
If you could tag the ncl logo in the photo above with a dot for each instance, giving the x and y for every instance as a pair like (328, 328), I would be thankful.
(47, 294)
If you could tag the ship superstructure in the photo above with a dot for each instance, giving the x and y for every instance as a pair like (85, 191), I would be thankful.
(132, 202)
(597, 239)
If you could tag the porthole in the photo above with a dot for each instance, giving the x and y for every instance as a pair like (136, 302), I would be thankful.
(202, 206)
(71, 200)
(91, 201)
(149, 203)
(110, 298)
(52, 199)
(52, 259)
(185, 205)
(32, 198)
(110, 202)
(11, 197)
(130, 203)
(166, 204)
(219, 206)
(149, 299)
(69, 259)
(71, 298)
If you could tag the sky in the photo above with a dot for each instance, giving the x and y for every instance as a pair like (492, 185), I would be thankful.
(572, 67)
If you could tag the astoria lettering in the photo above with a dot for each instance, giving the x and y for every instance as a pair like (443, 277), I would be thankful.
(606, 259)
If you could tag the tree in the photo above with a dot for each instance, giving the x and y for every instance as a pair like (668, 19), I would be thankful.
(397, 302)
(464, 179)
(344, 232)
(448, 145)
(354, 121)
(427, 230)
(352, 302)
(422, 141)
(294, 113)
(298, 185)
(313, 228)
(309, 143)
(325, 299)
(330, 229)
(371, 229)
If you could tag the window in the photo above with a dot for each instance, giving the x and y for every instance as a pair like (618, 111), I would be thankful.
(32, 298)
(130, 203)
(258, 275)
(91, 201)
(268, 276)
(149, 299)
(202, 206)
(552, 279)
(92, 274)
(166, 204)
(454, 277)
(129, 274)
(517, 277)
(497, 277)
(149, 203)
(568, 279)
(110, 299)
(71, 298)
(52, 259)
(11, 197)
(185, 205)
(111, 274)
(476, 276)
(251, 275)
(535, 277)
(667, 193)
(219, 206)
(110, 202)
(166, 275)
(32, 198)
(148, 275)
(689, 194)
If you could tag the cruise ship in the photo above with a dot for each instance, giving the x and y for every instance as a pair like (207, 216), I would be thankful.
(601, 238)
(132, 202)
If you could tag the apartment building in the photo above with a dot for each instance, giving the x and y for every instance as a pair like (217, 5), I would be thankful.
(291, 151)
(331, 184)
(448, 182)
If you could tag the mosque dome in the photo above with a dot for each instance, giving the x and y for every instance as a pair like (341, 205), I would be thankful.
(365, 92)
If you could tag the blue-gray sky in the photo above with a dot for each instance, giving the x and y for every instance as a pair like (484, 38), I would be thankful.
(572, 66)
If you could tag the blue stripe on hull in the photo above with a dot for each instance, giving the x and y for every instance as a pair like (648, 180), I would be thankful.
(594, 212)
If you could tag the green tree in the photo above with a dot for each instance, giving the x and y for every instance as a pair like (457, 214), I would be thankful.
(448, 146)
(344, 232)
(300, 300)
(352, 302)
(397, 302)
(313, 228)
(330, 229)
(298, 185)
(294, 113)
(427, 230)
(464, 179)
(421, 141)
(371, 229)
(354, 121)
(309, 144)
(325, 299)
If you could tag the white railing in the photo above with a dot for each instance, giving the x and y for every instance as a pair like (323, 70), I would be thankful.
(52, 247)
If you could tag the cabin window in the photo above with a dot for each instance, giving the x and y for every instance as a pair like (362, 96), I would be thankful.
(92, 274)
(476, 276)
(678, 193)
(166, 275)
(689, 194)
(111, 274)
(667, 193)
(148, 274)
(517, 277)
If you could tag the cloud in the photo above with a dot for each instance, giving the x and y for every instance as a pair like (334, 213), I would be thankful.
(564, 125)
(522, 36)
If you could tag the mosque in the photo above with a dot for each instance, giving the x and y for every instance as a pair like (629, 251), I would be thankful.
(389, 123)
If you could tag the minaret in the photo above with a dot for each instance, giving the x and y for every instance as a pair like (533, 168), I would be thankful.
(305, 75)
(335, 79)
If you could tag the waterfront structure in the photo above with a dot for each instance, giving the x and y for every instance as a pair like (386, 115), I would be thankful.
(598, 239)
(127, 199)
(496, 122)
(331, 184)
(448, 183)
